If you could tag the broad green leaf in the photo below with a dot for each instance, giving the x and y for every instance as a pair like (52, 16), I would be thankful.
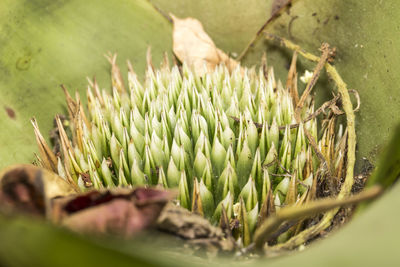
(29, 242)
(50, 42)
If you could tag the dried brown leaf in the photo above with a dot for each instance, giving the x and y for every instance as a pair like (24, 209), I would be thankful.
(195, 228)
(192, 45)
(120, 211)
(27, 188)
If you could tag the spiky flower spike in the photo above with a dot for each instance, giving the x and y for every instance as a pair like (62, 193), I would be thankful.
(228, 142)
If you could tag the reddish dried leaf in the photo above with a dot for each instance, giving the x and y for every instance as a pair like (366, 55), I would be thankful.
(118, 216)
(119, 211)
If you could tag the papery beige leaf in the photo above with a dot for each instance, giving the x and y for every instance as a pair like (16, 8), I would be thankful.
(192, 45)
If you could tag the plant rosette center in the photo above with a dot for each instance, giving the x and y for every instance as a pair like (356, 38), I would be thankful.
(230, 142)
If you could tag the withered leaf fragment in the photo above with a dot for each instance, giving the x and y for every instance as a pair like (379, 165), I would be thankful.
(27, 188)
(192, 45)
(121, 212)
(196, 229)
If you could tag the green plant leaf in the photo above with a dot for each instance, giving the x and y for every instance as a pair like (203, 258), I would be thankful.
(28, 242)
(50, 42)
(388, 168)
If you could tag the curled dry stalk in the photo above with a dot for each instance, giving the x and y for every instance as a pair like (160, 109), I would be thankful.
(345, 191)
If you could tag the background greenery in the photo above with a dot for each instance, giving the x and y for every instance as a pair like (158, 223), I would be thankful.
(44, 43)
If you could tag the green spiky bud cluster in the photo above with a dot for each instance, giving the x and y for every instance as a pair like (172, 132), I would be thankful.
(228, 142)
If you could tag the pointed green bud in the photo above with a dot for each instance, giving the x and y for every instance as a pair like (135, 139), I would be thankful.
(106, 174)
(244, 164)
(230, 157)
(203, 144)
(256, 169)
(218, 154)
(173, 174)
(224, 120)
(115, 148)
(97, 142)
(165, 148)
(185, 140)
(133, 154)
(116, 98)
(183, 197)
(300, 140)
(233, 109)
(156, 150)
(171, 118)
(122, 117)
(270, 159)
(149, 168)
(199, 164)
(165, 130)
(121, 178)
(249, 194)
(207, 200)
(148, 129)
(227, 182)
(306, 184)
(299, 164)
(116, 126)
(123, 163)
(227, 204)
(282, 189)
(125, 139)
(277, 202)
(207, 176)
(228, 137)
(75, 166)
(291, 195)
(264, 141)
(266, 186)
(156, 126)
(137, 119)
(285, 141)
(162, 179)
(252, 217)
(286, 159)
(175, 153)
(244, 231)
(137, 176)
(252, 136)
(274, 135)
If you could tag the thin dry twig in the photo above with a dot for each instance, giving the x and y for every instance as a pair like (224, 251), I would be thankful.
(273, 17)
(326, 54)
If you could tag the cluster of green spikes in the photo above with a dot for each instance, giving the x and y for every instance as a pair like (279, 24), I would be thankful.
(229, 142)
